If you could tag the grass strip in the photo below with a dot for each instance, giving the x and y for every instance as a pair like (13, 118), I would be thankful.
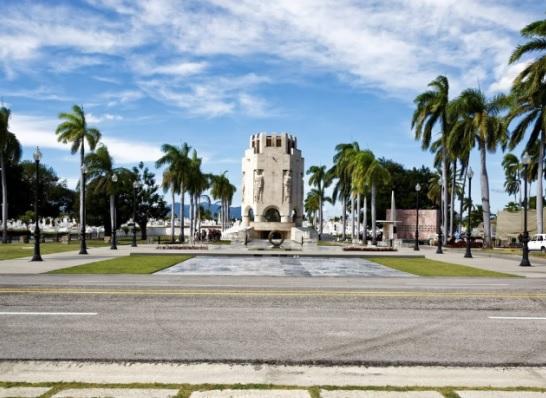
(134, 264)
(427, 267)
(9, 251)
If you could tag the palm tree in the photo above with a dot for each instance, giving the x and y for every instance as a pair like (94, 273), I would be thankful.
(432, 108)
(361, 162)
(342, 170)
(170, 182)
(512, 172)
(178, 163)
(320, 179)
(101, 173)
(312, 205)
(376, 174)
(481, 126)
(10, 151)
(221, 189)
(74, 130)
(197, 183)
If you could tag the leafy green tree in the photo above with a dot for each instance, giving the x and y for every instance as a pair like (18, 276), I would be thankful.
(512, 173)
(150, 203)
(74, 130)
(221, 189)
(10, 152)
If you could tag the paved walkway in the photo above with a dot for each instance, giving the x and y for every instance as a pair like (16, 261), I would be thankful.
(490, 261)
(60, 260)
(281, 266)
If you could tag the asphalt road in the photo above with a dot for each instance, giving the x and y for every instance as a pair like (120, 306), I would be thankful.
(447, 321)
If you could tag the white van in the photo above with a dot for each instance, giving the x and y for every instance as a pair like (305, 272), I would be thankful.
(538, 242)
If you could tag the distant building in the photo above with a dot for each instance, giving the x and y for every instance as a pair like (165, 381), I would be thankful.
(272, 185)
(405, 227)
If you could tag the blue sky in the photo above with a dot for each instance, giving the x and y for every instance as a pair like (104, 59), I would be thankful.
(211, 73)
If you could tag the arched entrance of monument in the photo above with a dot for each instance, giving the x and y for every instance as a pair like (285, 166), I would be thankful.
(250, 215)
(272, 215)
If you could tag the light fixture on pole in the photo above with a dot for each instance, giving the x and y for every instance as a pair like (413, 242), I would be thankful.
(416, 247)
(468, 253)
(37, 155)
(113, 216)
(136, 186)
(83, 215)
(525, 252)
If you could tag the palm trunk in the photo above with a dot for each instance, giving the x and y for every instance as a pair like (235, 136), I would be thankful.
(82, 186)
(358, 217)
(485, 197)
(540, 172)
(344, 218)
(320, 218)
(452, 206)
(461, 207)
(182, 205)
(365, 220)
(191, 218)
(172, 213)
(112, 216)
(352, 218)
(374, 235)
(4, 200)
(445, 198)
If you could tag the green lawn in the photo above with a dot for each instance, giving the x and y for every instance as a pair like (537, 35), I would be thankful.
(426, 267)
(126, 265)
(18, 250)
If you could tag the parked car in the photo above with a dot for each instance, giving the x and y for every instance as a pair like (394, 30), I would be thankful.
(538, 242)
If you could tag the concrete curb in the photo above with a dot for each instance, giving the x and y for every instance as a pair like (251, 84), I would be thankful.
(305, 376)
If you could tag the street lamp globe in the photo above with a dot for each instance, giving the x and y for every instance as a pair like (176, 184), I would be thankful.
(37, 155)
(84, 169)
(115, 178)
(470, 173)
(417, 187)
(136, 185)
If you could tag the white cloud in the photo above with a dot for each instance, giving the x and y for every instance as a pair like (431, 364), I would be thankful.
(107, 117)
(37, 131)
(505, 76)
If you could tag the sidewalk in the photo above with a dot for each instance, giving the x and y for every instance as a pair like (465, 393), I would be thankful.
(90, 379)
(489, 261)
(60, 260)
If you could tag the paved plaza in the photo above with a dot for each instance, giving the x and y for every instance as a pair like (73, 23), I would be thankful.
(281, 266)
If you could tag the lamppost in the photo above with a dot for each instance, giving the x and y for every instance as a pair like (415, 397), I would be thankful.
(136, 185)
(37, 155)
(83, 245)
(468, 253)
(525, 255)
(416, 247)
(113, 244)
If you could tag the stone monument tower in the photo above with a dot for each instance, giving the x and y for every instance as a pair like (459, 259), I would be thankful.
(272, 190)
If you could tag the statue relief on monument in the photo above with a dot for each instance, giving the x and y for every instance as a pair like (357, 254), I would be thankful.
(287, 185)
(258, 185)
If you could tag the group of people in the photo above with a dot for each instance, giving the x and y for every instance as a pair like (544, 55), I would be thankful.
(211, 235)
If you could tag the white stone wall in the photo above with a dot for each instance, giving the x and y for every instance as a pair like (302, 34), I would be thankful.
(267, 163)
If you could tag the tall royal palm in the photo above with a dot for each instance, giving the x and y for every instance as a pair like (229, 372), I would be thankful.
(512, 175)
(10, 151)
(342, 170)
(376, 175)
(320, 179)
(361, 162)
(177, 161)
(75, 131)
(529, 106)
(432, 109)
(480, 125)
(101, 172)
(221, 189)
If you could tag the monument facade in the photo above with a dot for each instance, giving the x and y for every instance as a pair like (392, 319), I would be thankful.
(272, 191)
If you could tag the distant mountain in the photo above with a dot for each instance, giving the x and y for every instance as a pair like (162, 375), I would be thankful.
(235, 212)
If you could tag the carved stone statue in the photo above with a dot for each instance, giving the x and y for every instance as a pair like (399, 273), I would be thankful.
(258, 186)
(287, 186)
